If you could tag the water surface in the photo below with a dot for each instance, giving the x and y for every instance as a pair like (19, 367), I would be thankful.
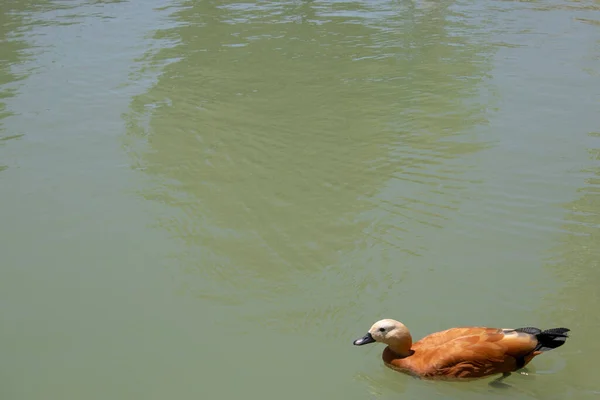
(213, 199)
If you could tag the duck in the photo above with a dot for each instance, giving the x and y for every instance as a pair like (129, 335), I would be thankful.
(462, 353)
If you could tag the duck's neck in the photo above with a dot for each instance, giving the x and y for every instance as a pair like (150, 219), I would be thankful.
(400, 341)
(401, 350)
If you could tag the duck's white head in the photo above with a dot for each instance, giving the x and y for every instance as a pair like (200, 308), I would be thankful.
(390, 332)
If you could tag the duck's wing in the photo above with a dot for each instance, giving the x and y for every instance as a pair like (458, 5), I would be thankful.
(481, 352)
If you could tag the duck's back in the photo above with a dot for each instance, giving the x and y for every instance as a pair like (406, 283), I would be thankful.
(462, 353)
(439, 338)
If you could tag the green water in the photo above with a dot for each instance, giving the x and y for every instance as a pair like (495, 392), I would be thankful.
(211, 200)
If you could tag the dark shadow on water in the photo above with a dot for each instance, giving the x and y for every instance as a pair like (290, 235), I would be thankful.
(16, 50)
(14, 26)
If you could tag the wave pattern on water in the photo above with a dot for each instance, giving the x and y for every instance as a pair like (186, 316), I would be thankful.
(289, 135)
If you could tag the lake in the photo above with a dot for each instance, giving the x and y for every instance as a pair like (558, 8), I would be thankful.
(213, 199)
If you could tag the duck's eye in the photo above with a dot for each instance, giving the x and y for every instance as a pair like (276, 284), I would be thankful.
(381, 329)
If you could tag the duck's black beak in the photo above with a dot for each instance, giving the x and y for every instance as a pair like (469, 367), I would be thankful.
(364, 340)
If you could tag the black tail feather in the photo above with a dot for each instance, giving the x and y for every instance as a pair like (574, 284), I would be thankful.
(530, 330)
(548, 339)
(552, 338)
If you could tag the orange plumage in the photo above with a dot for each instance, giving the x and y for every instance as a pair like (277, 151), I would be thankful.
(461, 353)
